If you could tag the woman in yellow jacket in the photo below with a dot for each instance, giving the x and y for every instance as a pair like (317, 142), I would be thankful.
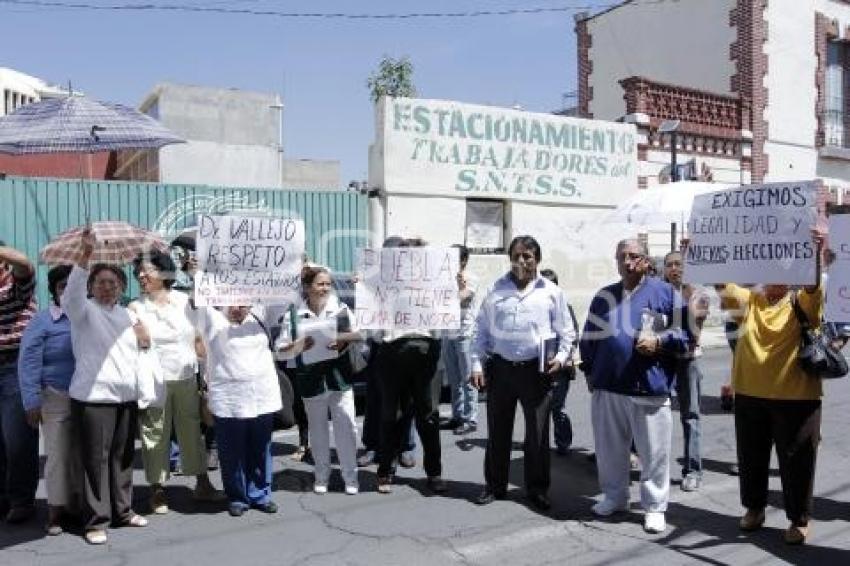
(776, 402)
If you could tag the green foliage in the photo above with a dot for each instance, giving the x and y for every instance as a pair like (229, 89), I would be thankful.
(394, 77)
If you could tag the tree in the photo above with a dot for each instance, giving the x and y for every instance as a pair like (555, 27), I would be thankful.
(394, 77)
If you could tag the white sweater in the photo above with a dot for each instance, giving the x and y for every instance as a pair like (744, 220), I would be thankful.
(104, 343)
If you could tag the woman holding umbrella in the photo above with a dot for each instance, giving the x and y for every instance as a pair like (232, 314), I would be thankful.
(107, 340)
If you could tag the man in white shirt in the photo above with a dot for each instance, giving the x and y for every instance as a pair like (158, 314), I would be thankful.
(520, 310)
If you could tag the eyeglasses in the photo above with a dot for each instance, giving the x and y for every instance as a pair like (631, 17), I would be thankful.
(630, 256)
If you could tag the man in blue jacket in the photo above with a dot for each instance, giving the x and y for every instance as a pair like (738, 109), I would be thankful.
(629, 349)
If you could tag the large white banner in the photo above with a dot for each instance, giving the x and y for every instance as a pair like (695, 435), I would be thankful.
(245, 260)
(838, 276)
(753, 234)
(408, 289)
(436, 147)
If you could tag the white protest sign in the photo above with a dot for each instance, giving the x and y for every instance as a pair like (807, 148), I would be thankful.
(838, 278)
(245, 260)
(323, 333)
(407, 289)
(753, 234)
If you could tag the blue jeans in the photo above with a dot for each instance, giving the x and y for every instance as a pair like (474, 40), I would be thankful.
(245, 457)
(688, 389)
(459, 373)
(18, 444)
(562, 425)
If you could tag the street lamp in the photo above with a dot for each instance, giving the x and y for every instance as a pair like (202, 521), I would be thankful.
(670, 127)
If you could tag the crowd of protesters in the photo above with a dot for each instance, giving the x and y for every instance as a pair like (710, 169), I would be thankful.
(76, 369)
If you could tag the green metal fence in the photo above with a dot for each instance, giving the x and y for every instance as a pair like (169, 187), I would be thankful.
(34, 210)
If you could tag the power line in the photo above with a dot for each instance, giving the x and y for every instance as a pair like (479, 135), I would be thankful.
(197, 8)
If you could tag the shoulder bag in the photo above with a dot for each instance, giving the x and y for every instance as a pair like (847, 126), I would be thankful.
(817, 356)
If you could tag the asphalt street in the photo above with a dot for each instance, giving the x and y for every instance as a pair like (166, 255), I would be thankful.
(410, 527)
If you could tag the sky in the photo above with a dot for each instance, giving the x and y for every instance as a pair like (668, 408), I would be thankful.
(318, 66)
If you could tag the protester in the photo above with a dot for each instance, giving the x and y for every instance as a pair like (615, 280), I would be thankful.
(323, 384)
(456, 355)
(688, 372)
(629, 349)
(106, 339)
(18, 440)
(163, 312)
(562, 425)
(408, 361)
(243, 395)
(372, 422)
(519, 311)
(777, 404)
(45, 367)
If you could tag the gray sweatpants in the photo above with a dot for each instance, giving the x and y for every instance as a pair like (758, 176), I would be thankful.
(617, 419)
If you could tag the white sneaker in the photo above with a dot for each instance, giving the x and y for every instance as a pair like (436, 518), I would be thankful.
(654, 523)
(608, 507)
(320, 488)
(352, 490)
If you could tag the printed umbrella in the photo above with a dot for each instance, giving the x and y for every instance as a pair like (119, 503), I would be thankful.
(115, 243)
(80, 125)
(662, 204)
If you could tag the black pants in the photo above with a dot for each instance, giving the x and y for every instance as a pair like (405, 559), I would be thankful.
(106, 437)
(508, 383)
(407, 380)
(372, 416)
(794, 428)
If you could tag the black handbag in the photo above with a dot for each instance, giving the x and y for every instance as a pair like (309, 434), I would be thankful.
(817, 356)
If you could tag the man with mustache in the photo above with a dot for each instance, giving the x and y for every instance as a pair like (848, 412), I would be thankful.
(520, 309)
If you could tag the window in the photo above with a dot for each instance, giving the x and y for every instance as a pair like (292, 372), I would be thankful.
(485, 226)
(834, 128)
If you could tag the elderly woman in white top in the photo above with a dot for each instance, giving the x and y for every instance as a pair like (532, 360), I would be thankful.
(243, 394)
(106, 340)
(163, 312)
(323, 384)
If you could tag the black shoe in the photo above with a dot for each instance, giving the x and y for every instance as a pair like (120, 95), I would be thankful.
(236, 509)
(488, 496)
(450, 424)
(539, 501)
(465, 428)
(437, 484)
(269, 507)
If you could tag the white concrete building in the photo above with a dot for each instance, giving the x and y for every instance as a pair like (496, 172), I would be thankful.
(456, 173)
(17, 89)
(234, 138)
(759, 86)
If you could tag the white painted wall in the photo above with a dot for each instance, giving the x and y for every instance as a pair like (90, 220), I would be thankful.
(210, 163)
(572, 241)
(683, 43)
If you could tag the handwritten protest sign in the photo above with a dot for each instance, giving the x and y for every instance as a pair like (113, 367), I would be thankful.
(838, 279)
(753, 234)
(246, 260)
(408, 288)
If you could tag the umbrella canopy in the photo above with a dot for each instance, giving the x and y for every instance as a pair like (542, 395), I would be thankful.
(80, 125)
(662, 204)
(115, 243)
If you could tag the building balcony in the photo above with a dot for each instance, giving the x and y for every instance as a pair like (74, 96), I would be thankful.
(835, 128)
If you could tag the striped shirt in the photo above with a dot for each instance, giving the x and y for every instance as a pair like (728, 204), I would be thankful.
(17, 307)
